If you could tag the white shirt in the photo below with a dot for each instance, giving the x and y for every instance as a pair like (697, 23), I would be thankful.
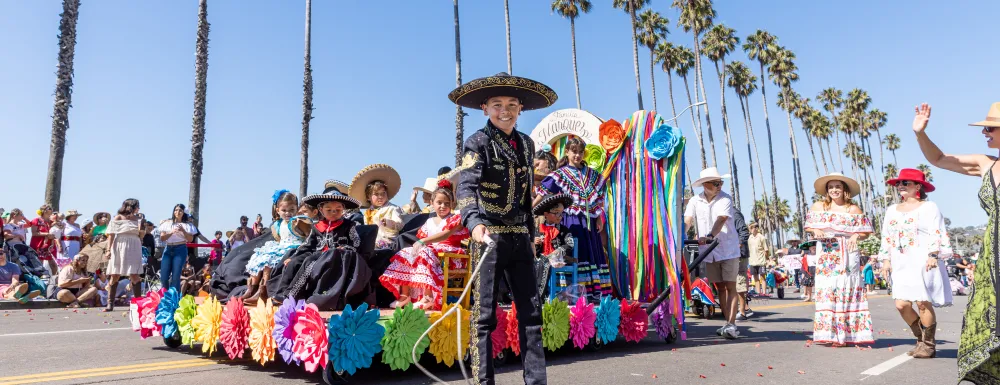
(18, 229)
(168, 227)
(704, 214)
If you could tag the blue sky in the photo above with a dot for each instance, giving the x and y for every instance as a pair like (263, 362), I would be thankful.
(382, 72)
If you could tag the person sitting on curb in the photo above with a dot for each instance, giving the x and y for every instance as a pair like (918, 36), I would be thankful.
(11, 286)
(75, 287)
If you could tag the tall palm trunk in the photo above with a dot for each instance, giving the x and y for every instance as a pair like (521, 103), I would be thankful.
(813, 152)
(699, 85)
(506, 18)
(307, 104)
(822, 154)
(735, 186)
(652, 79)
(746, 126)
(198, 126)
(576, 75)
(459, 115)
(881, 156)
(635, 54)
(63, 101)
(832, 154)
(894, 161)
(796, 170)
(673, 121)
(770, 143)
(696, 126)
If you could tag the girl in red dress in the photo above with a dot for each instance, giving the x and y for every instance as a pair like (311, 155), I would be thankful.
(416, 272)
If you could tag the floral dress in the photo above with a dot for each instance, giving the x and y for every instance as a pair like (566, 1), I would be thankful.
(389, 219)
(423, 270)
(979, 347)
(907, 240)
(271, 254)
(586, 186)
(842, 315)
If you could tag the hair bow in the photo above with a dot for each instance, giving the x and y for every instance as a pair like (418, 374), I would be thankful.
(547, 147)
(277, 195)
(444, 183)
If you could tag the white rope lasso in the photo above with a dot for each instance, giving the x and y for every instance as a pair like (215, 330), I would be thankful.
(490, 245)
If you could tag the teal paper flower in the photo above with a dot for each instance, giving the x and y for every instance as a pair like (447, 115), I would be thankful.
(354, 338)
(608, 318)
(165, 312)
(663, 142)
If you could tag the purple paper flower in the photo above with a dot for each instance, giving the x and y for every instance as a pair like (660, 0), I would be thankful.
(284, 329)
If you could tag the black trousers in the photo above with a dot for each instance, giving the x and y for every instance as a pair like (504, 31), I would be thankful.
(514, 258)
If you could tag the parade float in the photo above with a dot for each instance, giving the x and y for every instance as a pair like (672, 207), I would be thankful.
(641, 160)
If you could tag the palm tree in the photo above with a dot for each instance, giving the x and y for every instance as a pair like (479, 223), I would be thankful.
(832, 99)
(802, 112)
(571, 9)
(668, 62)
(459, 114)
(891, 171)
(878, 120)
(307, 104)
(200, 89)
(927, 172)
(758, 46)
(630, 7)
(783, 72)
(744, 83)
(775, 210)
(892, 144)
(652, 29)
(63, 101)
(820, 128)
(696, 17)
(719, 42)
(506, 18)
(685, 61)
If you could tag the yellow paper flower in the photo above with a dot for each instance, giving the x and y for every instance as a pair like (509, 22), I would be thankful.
(444, 334)
(206, 324)
(261, 326)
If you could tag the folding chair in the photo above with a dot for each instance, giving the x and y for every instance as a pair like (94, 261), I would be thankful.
(571, 270)
(461, 277)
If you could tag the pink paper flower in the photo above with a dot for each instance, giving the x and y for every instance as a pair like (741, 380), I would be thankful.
(147, 314)
(311, 341)
(234, 329)
(581, 323)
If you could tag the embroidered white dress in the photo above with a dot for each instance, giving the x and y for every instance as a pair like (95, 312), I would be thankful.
(907, 240)
(273, 251)
(842, 315)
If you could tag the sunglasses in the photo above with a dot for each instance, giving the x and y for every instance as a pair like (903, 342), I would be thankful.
(716, 183)
(906, 183)
(989, 129)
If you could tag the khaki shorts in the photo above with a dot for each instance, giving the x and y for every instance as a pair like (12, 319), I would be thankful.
(741, 275)
(723, 271)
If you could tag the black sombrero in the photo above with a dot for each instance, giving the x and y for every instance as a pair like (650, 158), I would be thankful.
(533, 95)
(330, 194)
(551, 201)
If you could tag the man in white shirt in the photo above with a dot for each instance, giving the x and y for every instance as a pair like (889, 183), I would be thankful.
(758, 256)
(712, 214)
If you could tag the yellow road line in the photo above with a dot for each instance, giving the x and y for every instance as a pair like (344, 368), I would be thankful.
(107, 371)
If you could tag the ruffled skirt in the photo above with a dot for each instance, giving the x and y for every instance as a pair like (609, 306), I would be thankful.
(269, 255)
(421, 271)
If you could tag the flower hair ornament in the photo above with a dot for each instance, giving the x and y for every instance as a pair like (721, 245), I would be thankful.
(444, 183)
(277, 195)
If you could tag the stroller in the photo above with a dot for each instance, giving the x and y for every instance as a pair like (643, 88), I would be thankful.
(704, 300)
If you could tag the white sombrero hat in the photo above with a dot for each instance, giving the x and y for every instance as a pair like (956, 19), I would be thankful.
(709, 174)
(430, 184)
(852, 185)
(372, 173)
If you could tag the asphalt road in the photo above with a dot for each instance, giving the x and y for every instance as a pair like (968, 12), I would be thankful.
(60, 346)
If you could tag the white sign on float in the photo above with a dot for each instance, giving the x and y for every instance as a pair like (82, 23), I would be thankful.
(570, 121)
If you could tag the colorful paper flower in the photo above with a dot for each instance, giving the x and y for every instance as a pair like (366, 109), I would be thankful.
(611, 134)
(186, 310)
(147, 314)
(443, 344)
(165, 312)
(555, 324)
(284, 329)
(608, 318)
(634, 322)
(311, 342)
(206, 324)
(513, 336)
(401, 334)
(595, 156)
(234, 328)
(355, 337)
(261, 339)
(499, 335)
(662, 320)
(581, 323)
(663, 142)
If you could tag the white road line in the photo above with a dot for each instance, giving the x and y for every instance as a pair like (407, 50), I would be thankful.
(61, 332)
(886, 366)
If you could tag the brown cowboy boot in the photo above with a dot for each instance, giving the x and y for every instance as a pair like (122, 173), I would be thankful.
(928, 349)
(915, 328)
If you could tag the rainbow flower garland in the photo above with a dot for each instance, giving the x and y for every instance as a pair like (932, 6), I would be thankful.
(644, 188)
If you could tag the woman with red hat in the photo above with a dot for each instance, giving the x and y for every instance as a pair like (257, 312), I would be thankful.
(979, 347)
(914, 241)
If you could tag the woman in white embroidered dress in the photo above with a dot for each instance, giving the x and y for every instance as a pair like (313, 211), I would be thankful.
(914, 240)
(842, 315)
